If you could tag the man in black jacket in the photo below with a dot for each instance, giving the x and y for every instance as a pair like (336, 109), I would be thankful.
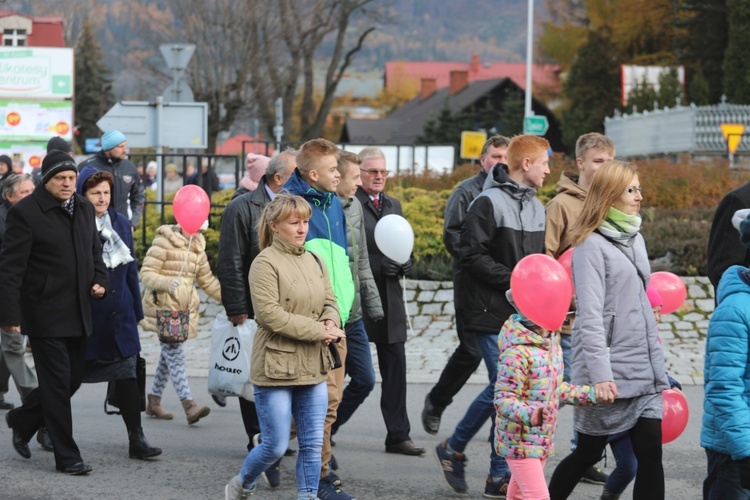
(127, 192)
(467, 356)
(503, 224)
(238, 246)
(50, 266)
(388, 334)
(724, 247)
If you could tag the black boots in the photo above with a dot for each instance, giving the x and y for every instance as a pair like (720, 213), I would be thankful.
(139, 447)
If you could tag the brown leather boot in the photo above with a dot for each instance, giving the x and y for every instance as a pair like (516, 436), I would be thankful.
(193, 412)
(154, 408)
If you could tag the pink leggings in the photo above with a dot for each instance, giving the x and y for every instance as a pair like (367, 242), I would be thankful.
(527, 479)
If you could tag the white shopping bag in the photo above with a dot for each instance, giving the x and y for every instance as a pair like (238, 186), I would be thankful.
(231, 350)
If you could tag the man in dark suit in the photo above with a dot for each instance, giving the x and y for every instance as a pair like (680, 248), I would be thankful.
(50, 265)
(388, 334)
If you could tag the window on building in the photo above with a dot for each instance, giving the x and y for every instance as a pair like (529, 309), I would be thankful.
(14, 38)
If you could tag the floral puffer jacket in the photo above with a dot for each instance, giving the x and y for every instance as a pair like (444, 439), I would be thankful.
(529, 376)
(162, 264)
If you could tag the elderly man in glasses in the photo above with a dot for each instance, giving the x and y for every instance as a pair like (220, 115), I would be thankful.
(389, 334)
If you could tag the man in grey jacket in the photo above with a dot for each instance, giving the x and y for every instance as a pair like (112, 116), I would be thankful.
(503, 224)
(367, 299)
(467, 356)
(238, 246)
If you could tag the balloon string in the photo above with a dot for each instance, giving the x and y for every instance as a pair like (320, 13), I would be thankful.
(406, 307)
(187, 255)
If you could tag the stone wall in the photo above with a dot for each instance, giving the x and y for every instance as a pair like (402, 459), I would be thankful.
(432, 338)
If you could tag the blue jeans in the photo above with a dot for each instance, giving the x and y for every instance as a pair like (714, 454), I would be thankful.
(276, 406)
(627, 465)
(482, 408)
(359, 368)
(723, 480)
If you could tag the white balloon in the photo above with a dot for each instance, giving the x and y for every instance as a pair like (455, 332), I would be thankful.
(395, 238)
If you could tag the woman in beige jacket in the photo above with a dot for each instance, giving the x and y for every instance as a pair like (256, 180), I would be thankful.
(173, 262)
(297, 317)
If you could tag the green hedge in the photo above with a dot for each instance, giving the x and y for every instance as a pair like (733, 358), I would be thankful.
(679, 203)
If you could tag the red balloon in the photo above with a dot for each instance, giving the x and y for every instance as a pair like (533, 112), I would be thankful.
(542, 290)
(674, 415)
(566, 260)
(672, 290)
(191, 206)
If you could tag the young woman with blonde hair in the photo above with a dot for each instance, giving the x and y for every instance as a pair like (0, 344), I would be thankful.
(615, 346)
(297, 317)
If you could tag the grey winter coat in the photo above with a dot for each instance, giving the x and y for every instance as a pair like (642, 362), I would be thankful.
(614, 335)
(359, 263)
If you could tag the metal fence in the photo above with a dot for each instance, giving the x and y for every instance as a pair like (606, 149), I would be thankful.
(227, 168)
(694, 130)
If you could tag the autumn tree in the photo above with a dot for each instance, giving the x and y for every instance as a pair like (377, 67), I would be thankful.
(93, 85)
(592, 89)
(737, 57)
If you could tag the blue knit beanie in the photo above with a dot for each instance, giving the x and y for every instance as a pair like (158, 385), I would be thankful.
(112, 138)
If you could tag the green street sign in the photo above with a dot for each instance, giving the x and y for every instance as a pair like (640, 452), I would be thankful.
(535, 125)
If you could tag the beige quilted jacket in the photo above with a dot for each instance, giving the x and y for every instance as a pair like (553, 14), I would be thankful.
(162, 263)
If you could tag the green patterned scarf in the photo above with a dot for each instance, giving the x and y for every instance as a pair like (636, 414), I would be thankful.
(620, 226)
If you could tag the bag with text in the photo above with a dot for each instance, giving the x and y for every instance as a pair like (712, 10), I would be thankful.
(229, 364)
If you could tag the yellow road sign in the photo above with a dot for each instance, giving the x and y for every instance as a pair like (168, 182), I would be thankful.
(732, 134)
(471, 144)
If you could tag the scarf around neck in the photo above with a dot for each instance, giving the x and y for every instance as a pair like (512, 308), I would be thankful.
(620, 226)
(114, 251)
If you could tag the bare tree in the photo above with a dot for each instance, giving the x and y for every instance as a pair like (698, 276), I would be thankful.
(251, 52)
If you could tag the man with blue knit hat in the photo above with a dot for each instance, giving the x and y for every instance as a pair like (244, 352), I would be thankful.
(127, 193)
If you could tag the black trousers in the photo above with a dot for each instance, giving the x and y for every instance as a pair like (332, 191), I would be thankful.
(461, 365)
(59, 368)
(649, 479)
(250, 420)
(392, 365)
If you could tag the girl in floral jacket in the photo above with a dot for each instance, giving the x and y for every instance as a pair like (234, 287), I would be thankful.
(528, 392)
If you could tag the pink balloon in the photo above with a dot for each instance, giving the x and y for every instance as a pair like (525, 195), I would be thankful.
(566, 260)
(672, 290)
(191, 206)
(674, 415)
(542, 290)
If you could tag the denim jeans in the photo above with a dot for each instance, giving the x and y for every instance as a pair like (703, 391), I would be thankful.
(359, 368)
(723, 479)
(276, 406)
(482, 408)
(627, 465)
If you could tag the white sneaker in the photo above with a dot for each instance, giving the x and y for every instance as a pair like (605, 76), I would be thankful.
(235, 491)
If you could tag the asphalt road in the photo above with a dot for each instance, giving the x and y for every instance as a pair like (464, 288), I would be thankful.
(199, 460)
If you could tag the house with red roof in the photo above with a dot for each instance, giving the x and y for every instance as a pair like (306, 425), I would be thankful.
(545, 78)
(22, 30)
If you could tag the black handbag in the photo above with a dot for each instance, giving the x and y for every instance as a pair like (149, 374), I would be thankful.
(335, 355)
(140, 376)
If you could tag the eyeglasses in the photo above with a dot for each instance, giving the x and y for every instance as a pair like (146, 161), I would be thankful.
(374, 173)
(633, 190)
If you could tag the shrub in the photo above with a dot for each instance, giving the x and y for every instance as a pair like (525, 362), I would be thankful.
(679, 201)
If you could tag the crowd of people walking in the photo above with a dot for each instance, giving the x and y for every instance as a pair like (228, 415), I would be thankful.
(298, 260)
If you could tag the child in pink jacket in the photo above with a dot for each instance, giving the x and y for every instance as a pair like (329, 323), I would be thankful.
(528, 392)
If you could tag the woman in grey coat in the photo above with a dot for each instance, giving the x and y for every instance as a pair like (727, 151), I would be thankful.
(615, 346)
